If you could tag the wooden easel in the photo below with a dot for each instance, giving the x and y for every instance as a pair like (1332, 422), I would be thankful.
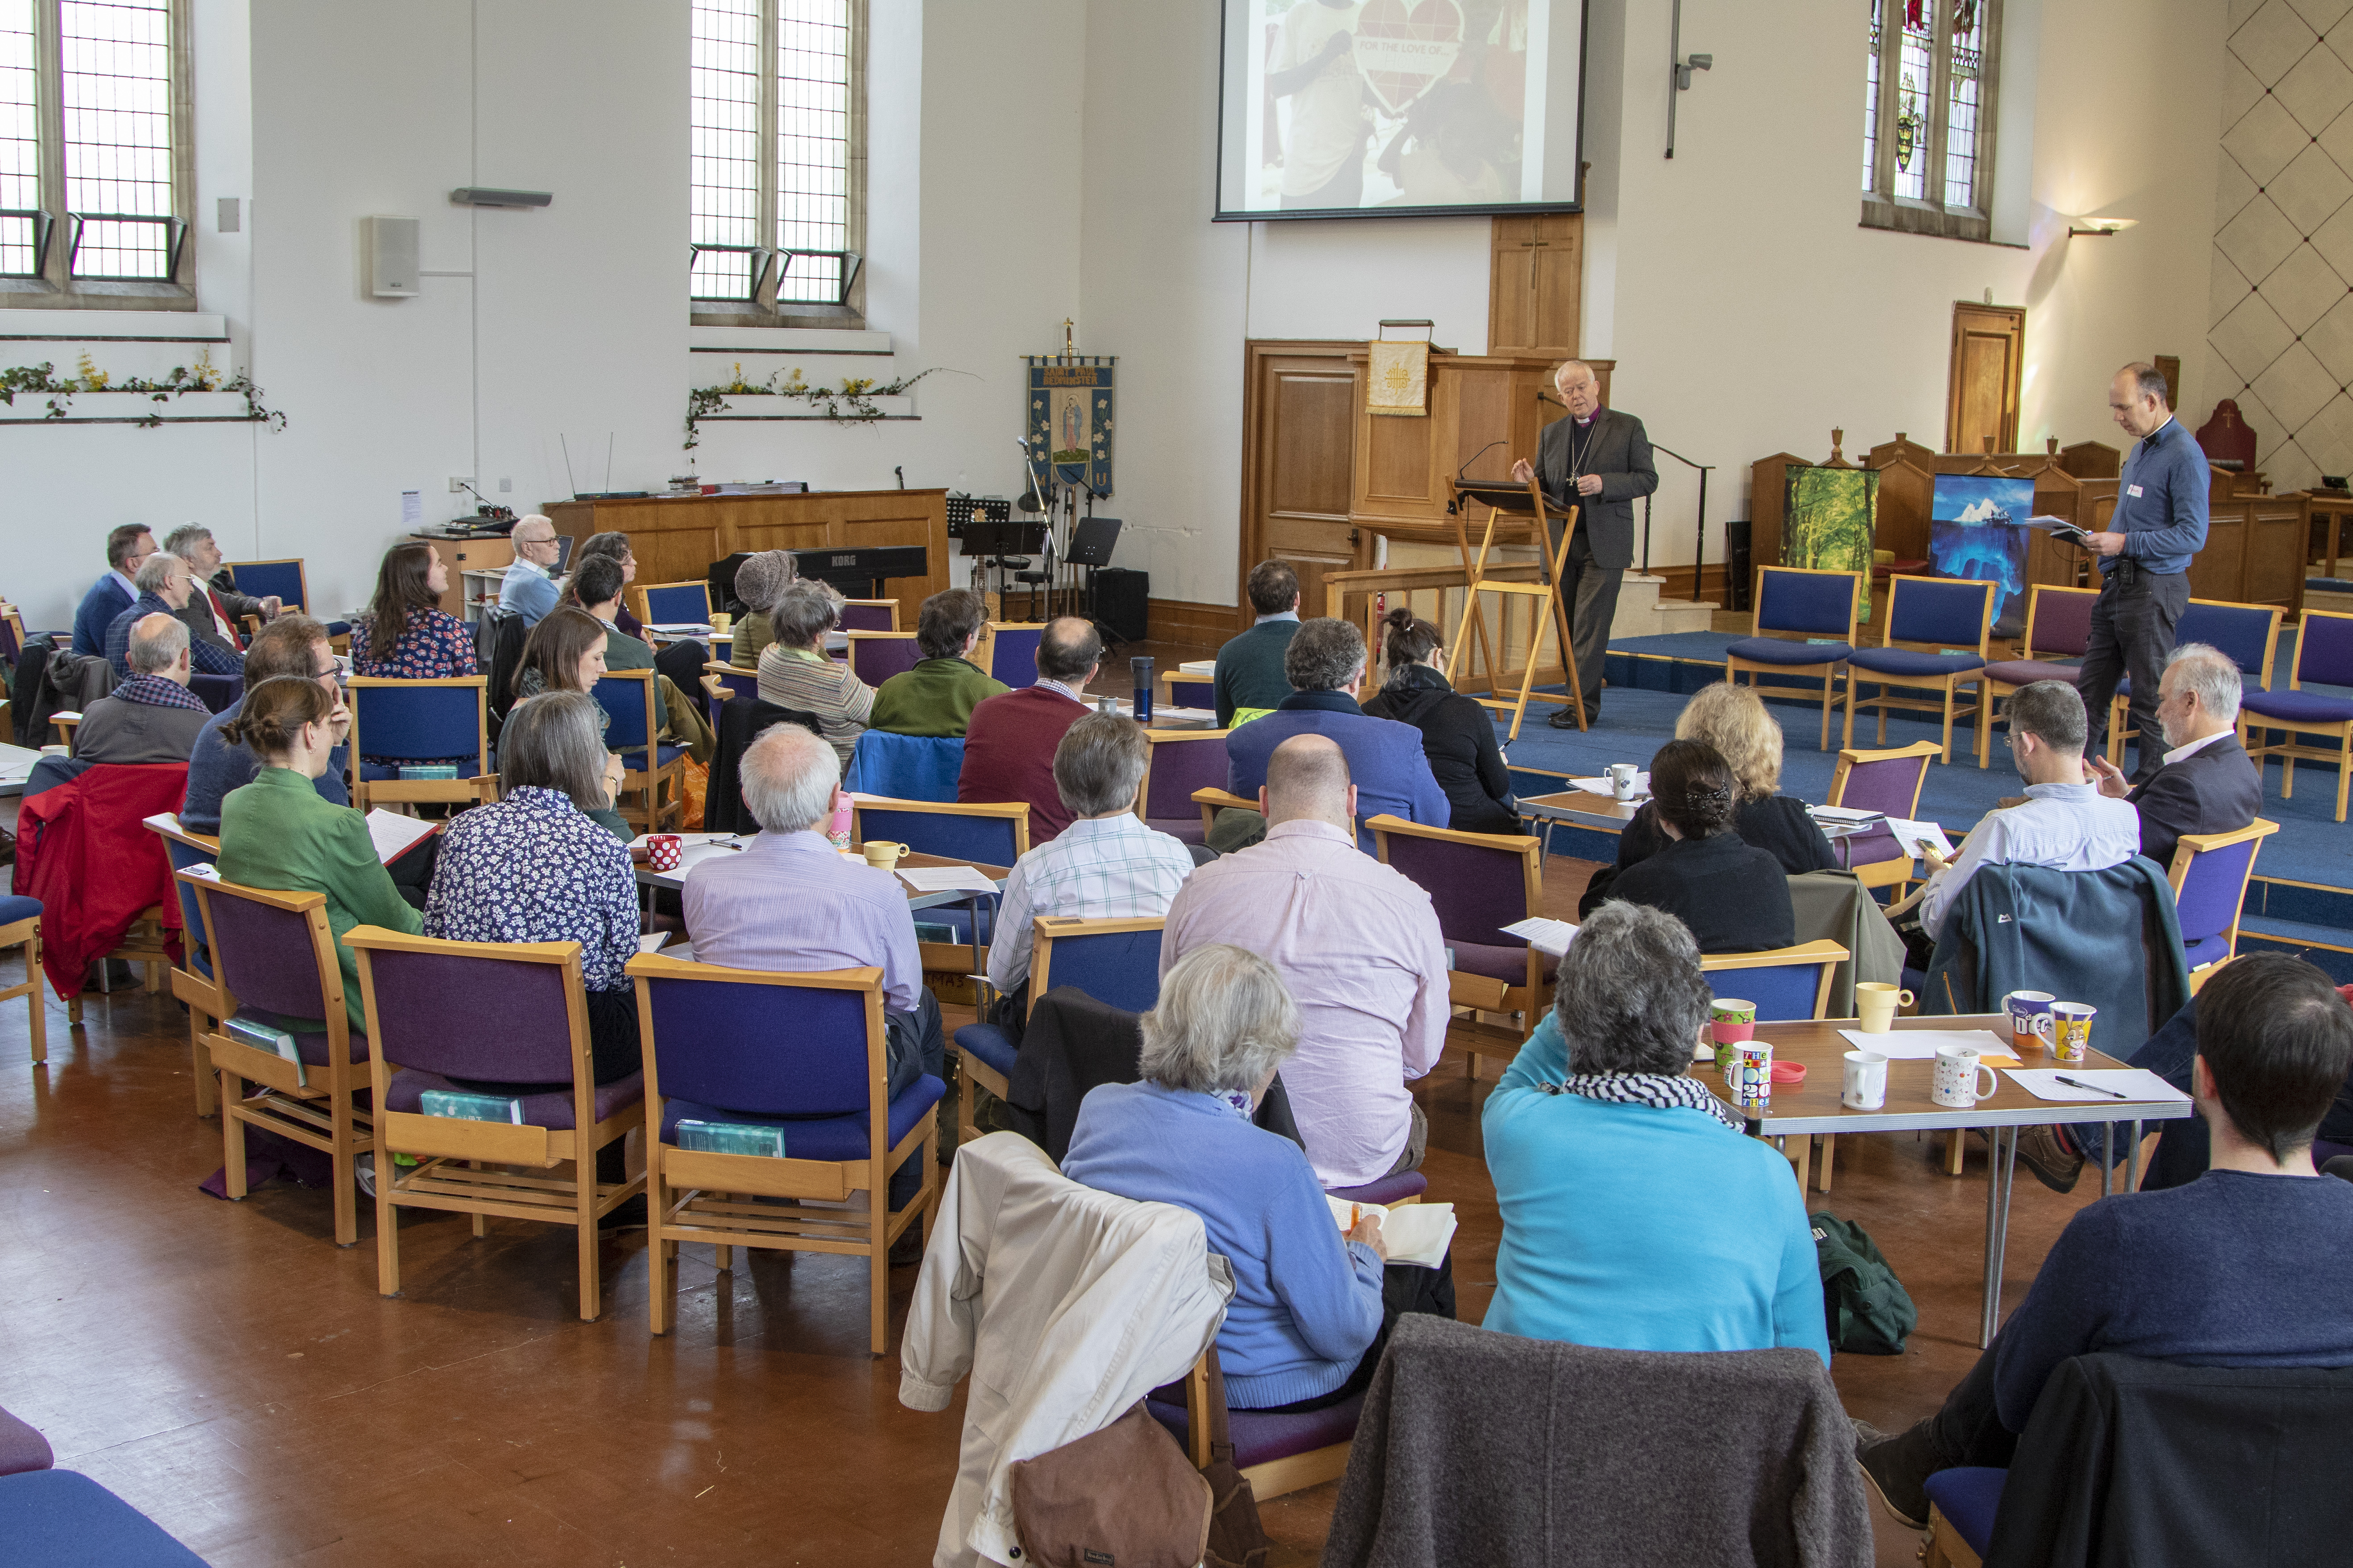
(1551, 614)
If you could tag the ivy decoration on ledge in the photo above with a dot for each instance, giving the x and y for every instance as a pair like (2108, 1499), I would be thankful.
(852, 402)
(202, 377)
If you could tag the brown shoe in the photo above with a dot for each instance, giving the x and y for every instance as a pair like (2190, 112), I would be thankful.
(2054, 1165)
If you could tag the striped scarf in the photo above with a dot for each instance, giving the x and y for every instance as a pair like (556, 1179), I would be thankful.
(1661, 1092)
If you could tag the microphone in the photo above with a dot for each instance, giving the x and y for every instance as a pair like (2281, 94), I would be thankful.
(1543, 396)
(1474, 458)
(902, 472)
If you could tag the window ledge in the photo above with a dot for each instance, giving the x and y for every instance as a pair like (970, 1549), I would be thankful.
(720, 313)
(93, 294)
(745, 339)
(90, 324)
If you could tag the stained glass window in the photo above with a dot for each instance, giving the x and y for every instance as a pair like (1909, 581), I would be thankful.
(1916, 63)
(1928, 82)
(1871, 103)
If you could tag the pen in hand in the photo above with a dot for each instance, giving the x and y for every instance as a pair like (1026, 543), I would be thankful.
(2096, 1088)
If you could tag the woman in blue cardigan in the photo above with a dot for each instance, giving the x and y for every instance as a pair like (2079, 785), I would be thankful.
(1311, 1304)
(1637, 1214)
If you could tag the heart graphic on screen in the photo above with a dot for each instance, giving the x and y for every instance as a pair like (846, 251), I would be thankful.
(1404, 50)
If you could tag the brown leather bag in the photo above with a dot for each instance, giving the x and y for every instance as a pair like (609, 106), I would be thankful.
(1237, 1539)
(1124, 1496)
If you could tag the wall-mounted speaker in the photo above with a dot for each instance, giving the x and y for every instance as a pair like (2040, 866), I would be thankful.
(389, 243)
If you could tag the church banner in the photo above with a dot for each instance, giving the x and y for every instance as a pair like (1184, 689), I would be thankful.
(1070, 419)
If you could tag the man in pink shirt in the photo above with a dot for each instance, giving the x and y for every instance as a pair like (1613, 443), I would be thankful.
(1357, 944)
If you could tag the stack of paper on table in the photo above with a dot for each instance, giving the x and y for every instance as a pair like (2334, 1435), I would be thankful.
(947, 880)
(1201, 667)
(1414, 1233)
(1922, 1045)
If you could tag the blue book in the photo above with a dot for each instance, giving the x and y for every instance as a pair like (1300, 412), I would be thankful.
(268, 1037)
(731, 1138)
(465, 1107)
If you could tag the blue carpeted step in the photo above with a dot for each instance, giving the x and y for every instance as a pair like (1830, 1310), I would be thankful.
(2329, 948)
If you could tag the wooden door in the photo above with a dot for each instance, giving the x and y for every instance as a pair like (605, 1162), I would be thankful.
(1298, 456)
(1988, 362)
(1535, 284)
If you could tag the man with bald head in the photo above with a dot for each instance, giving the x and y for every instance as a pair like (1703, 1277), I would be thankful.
(151, 716)
(529, 587)
(1358, 945)
(1598, 460)
(165, 586)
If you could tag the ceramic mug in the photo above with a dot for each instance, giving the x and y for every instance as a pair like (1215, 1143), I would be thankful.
(2070, 1030)
(1623, 777)
(1875, 1003)
(1730, 1021)
(1750, 1076)
(2030, 1020)
(881, 853)
(1956, 1082)
(663, 850)
(1865, 1088)
(720, 620)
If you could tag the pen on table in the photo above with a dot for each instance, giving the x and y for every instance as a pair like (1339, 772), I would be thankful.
(2096, 1088)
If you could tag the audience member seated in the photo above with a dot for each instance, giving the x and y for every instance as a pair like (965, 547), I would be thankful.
(1008, 748)
(536, 868)
(407, 635)
(1730, 895)
(681, 662)
(165, 586)
(758, 581)
(614, 545)
(276, 832)
(596, 587)
(1250, 678)
(796, 673)
(1107, 864)
(152, 717)
(1458, 738)
(1313, 1304)
(2065, 823)
(529, 587)
(2208, 783)
(1734, 721)
(127, 548)
(1325, 664)
(565, 652)
(215, 612)
(936, 697)
(1357, 944)
(789, 903)
(293, 646)
(1637, 1212)
(2248, 1265)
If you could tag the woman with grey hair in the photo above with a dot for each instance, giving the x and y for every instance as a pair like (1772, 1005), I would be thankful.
(536, 867)
(1313, 1300)
(1636, 1215)
(757, 583)
(796, 673)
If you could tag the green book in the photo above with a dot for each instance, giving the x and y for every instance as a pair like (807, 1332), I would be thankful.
(932, 930)
(429, 770)
(465, 1107)
(731, 1138)
(268, 1037)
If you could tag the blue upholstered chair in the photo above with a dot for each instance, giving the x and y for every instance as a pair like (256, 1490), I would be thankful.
(216, 692)
(986, 835)
(876, 656)
(1814, 614)
(627, 697)
(417, 722)
(804, 1054)
(722, 681)
(2210, 875)
(675, 604)
(2246, 635)
(2324, 653)
(2057, 621)
(283, 580)
(1930, 616)
(1787, 983)
(1116, 962)
(20, 928)
(905, 767)
(1013, 651)
(62, 1516)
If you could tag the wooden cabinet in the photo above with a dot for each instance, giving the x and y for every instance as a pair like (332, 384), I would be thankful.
(1535, 284)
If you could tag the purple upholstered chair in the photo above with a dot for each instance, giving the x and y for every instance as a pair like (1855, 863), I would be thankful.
(1013, 652)
(2210, 874)
(1479, 883)
(1934, 616)
(801, 1053)
(876, 656)
(2246, 635)
(193, 981)
(1804, 625)
(275, 957)
(2324, 653)
(869, 614)
(22, 1448)
(1276, 1453)
(1181, 762)
(1887, 783)
(502, 1012)
(2057, 621)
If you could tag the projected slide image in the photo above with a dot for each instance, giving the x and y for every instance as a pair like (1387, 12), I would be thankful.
(1977, 529)
(1337, 106)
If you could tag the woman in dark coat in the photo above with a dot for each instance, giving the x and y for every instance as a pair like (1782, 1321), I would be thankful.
(1733, 896)
(1457, 736)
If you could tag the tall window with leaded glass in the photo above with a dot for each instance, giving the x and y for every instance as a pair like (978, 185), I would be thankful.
(778, 174)
(1928, 108)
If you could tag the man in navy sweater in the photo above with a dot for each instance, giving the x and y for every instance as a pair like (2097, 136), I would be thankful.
(2159, 523)
(2249, 1265)
(127, 549)
(1249, 667)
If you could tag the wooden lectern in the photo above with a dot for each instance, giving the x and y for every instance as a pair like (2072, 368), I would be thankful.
(1525, 505)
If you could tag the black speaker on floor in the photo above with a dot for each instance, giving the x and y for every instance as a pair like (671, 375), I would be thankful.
(1120, 595)
(1739, 574)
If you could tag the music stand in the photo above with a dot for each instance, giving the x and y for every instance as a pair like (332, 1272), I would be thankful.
(1524, 503)
(994, 543)
(1093, 539)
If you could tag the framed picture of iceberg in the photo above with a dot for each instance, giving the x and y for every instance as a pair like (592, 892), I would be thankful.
(1977, 529)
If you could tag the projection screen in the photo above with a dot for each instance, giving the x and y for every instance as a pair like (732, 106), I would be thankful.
(1390, 108)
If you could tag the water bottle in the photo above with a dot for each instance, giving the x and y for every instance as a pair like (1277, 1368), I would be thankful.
(837, 828)
(1142, 666)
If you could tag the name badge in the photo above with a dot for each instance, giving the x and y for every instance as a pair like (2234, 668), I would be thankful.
(2134, 492)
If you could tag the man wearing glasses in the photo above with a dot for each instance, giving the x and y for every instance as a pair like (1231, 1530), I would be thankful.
(529, 589)
(2206, 782)
(289, 646)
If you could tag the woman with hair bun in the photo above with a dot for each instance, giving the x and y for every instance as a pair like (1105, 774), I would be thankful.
(1457, 735)
(276, 834)
(1733, 896)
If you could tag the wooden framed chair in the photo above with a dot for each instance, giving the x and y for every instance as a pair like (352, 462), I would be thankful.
(1179, 689)
(2210, 875)
(2246, 635)
(275, 956)
(2324, 654)
(2057, 621)
(876, 656)
(674, 603)
(1889, 782)
(1276, 1453)
(1214, 798)
(1925, 616)
(194, 984)
(20, 928)
(869, 614)
(1116, 961)
(1804, 625)
(1177, 762)
(418, 723)
(984, 833)
(505, 1013)
(283, 579)
(735, 1045)
(722, 681)
(1011, 655)
(1786, 982)
(1478, 883)
(655, 772)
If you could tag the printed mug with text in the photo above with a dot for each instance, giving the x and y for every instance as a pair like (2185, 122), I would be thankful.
(2030, 1020)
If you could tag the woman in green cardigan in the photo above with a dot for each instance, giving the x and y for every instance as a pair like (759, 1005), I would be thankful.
(276, 833)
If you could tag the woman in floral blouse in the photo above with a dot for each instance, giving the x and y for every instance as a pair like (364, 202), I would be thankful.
(535, 868)
(405, 634)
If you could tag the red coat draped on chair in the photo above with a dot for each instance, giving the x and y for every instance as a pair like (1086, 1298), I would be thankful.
(81, 851)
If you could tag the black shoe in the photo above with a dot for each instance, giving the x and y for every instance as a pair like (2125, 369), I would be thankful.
(1566, 719)
(1903, 1496)
(2053, 1163)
